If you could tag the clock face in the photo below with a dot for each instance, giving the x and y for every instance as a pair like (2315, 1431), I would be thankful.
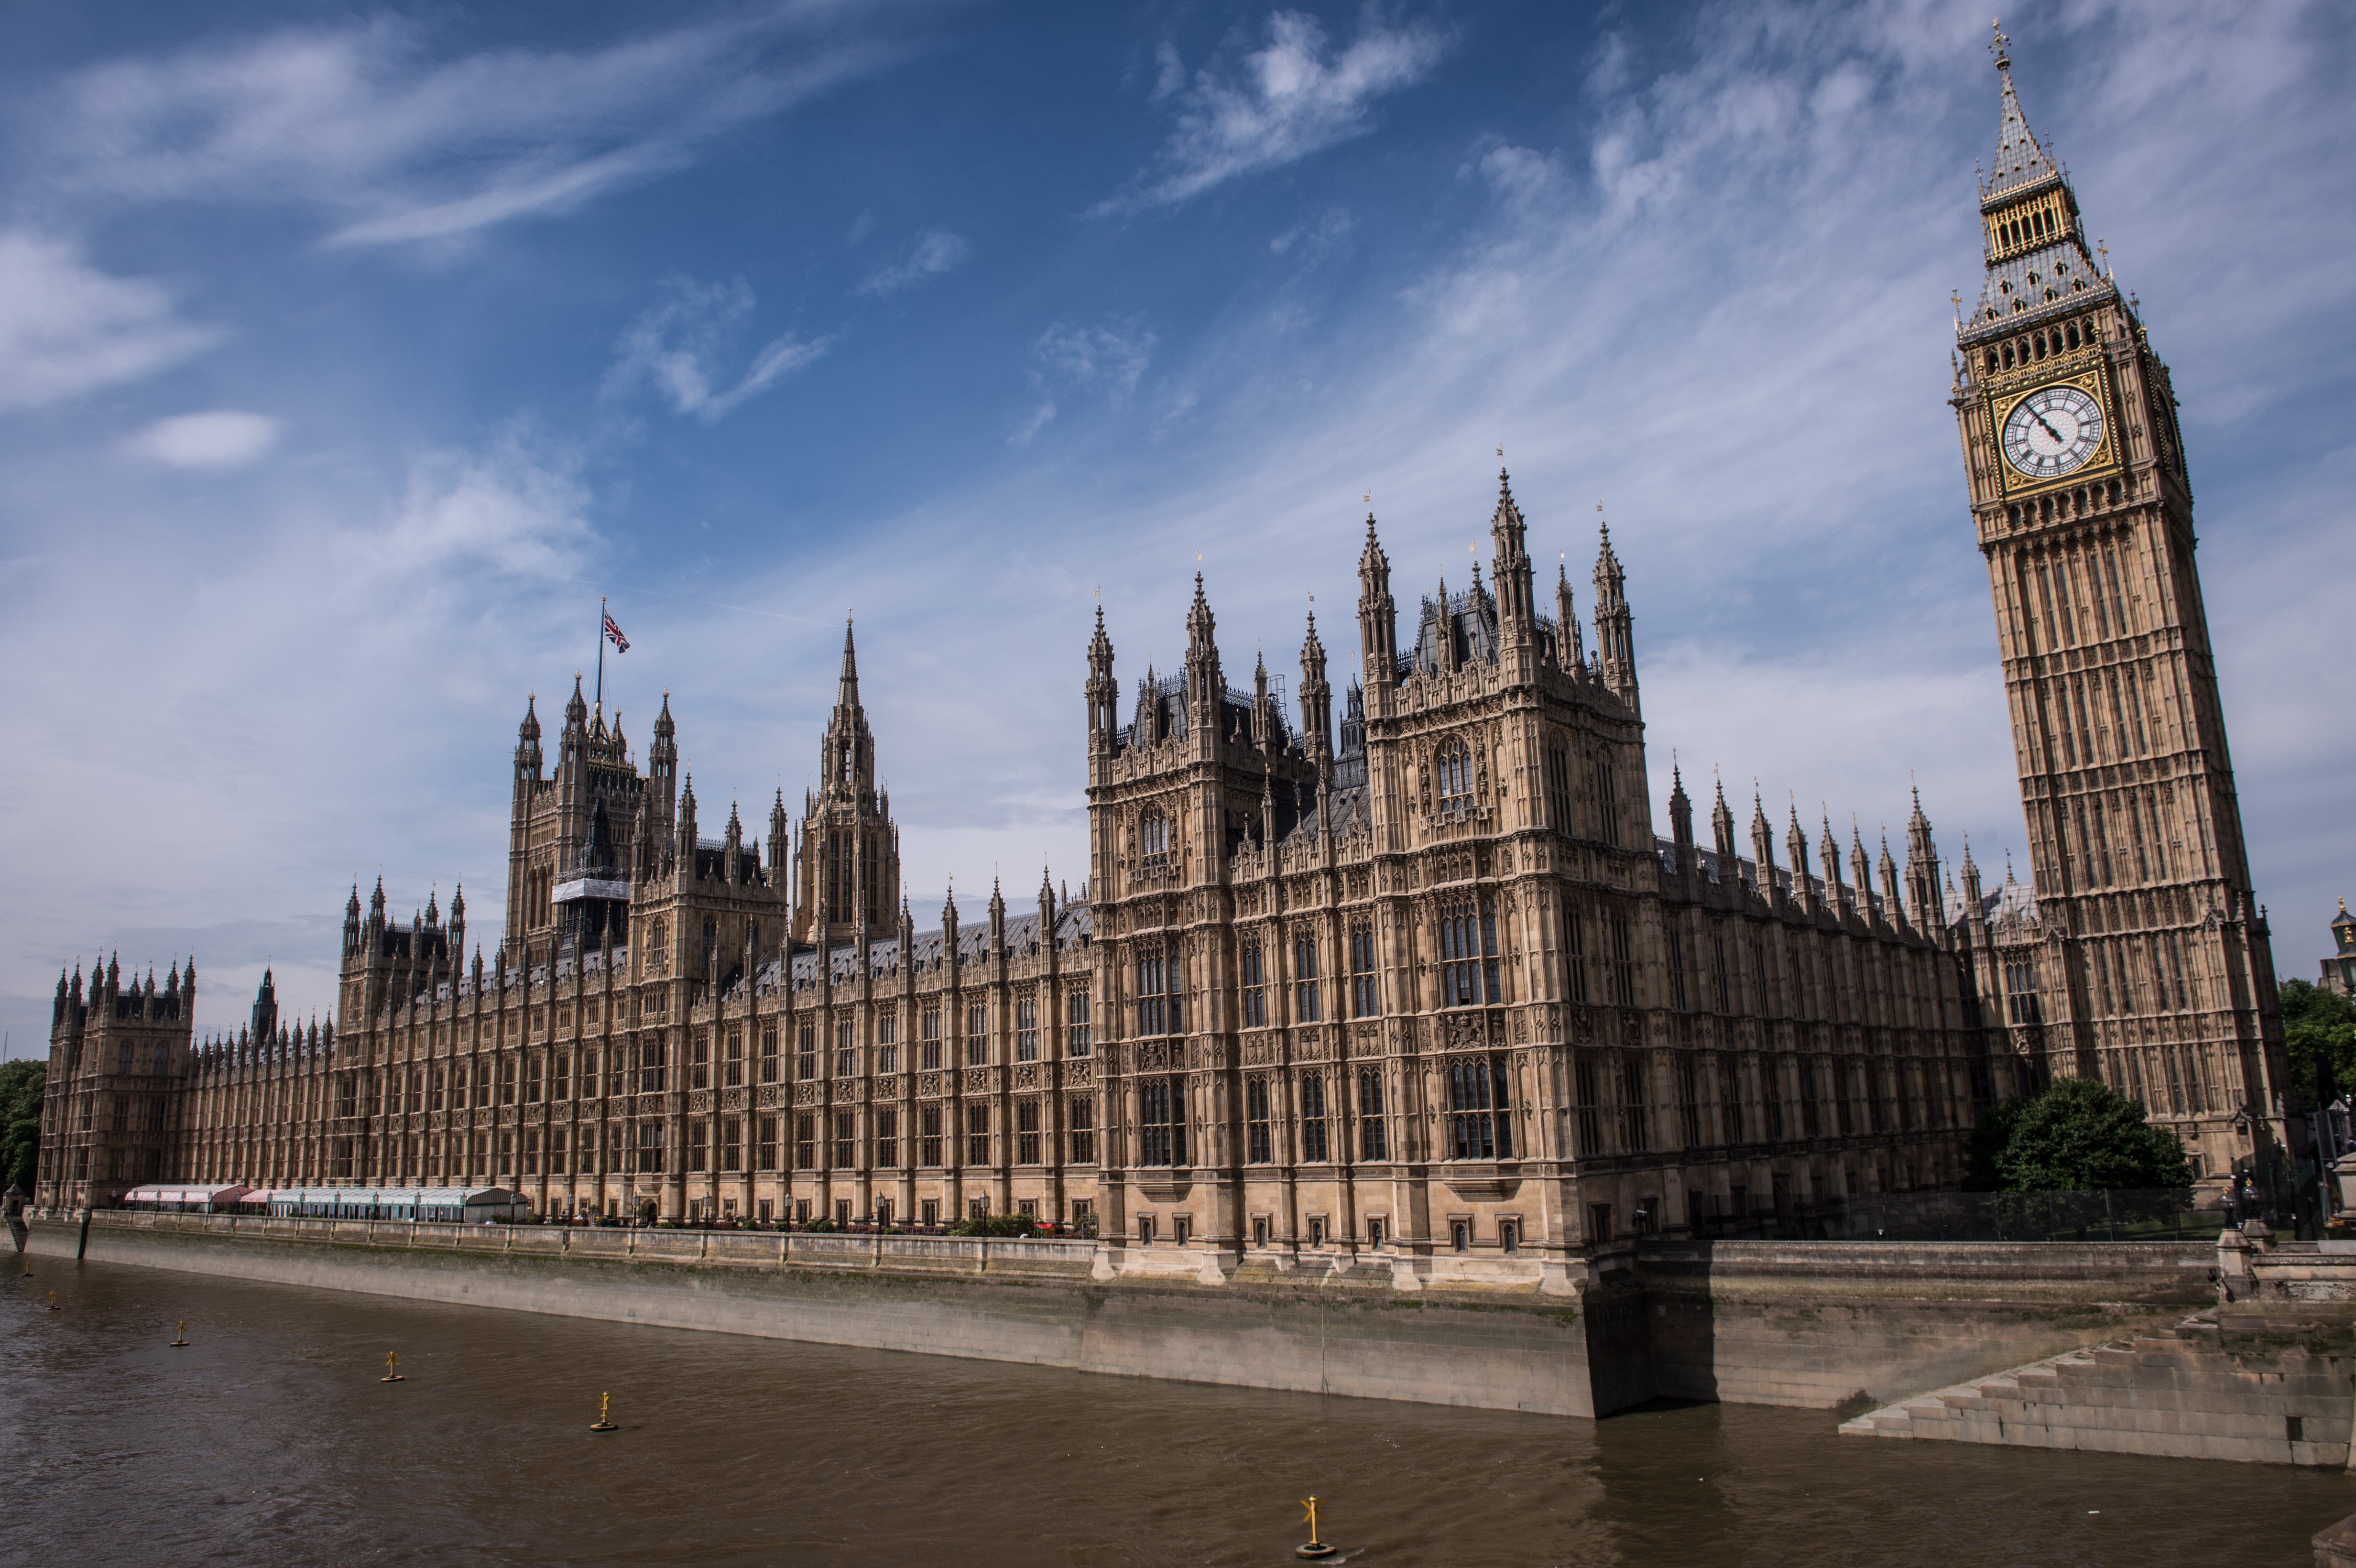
(2053, 431)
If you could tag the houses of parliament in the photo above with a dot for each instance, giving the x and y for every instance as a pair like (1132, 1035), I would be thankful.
(1416, 978)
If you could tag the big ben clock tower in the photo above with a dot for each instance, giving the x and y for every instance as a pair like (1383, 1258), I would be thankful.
(2142, 958)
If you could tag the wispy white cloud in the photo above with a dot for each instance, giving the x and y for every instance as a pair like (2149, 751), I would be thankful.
(67, 328)
(677, 344)
(931, 253)
(396, 144)
(517, 507)
(219, 439)
(1105, 360)
(1293, 96)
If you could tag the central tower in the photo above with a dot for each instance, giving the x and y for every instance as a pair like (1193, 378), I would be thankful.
(2143, 959)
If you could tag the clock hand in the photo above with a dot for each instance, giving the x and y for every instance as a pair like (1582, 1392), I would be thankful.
(2049, 429)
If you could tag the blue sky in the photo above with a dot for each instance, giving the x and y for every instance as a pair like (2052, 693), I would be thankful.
(348, 355)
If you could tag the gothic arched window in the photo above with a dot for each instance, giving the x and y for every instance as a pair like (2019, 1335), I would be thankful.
(1154, 834)
(1455, 771)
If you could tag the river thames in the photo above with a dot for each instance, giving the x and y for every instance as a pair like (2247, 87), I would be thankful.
(269, 1439)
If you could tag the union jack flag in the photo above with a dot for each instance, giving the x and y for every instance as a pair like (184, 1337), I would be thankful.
(621, 644)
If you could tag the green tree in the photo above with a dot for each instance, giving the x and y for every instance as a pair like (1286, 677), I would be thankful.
(2077, 1134)
(2320, 1032)
(20, 1121)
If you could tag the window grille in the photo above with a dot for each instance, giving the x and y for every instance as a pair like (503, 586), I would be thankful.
(977, 1034)
(1075, 1018)
(806, 1143)
(1026, 1031)
(928, 1135)
(1468, 955)
(767, 1145)
(1255, 986)
(977, 1134)
(806, 1052)
(1366, 1001)
(1026, 1132)
(1574, 956)
(1453, 767)
(1081, 1118)
(1374, 1142)
(731, 1066)
(930, 1055)
(732, 1143)
(1260, 1145)
(1312, 1119)
(1730, 1098)
(1480, 1121)
(846, 1139)
(1162, 1121)
(1688, 1103)
(887, 1138)
(651, 1070)
(1306, 995)
(1635, 1123)
(1160, 1007)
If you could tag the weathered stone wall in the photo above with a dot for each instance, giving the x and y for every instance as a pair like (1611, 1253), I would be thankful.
(1003, 1301)
(1808, 1324)
(1818, 1324)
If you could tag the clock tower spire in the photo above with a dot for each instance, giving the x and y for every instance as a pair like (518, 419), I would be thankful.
(2145, 961)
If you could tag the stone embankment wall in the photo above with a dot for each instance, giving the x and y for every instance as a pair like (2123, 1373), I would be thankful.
(1801, 1323)
(1819, 1324)
(2267, 1375)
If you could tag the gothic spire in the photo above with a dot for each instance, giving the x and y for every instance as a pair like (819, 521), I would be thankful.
(2020, 160)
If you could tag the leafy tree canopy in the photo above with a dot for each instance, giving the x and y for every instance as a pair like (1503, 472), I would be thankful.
(20, 1121)
(2077, 1134)
(2319, 1033)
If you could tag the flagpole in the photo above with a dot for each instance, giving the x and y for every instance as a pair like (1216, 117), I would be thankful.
(601, 652)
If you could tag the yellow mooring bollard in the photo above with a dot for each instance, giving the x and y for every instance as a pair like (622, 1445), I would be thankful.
(53, 1302)
(391, 1369)
(1313, 1547)
(604, 1421)
(180, 1335)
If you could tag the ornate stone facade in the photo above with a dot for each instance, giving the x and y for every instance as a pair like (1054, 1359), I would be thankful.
(1425, 987)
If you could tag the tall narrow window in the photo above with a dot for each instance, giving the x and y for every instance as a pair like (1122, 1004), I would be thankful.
(1468, 955)
(1677, 965)
(1259, 1142)
(1365, 1003)
(977, 1134)
(1721, 993)
(846, 1139)
(887, 1138)
(846, 1053)
(766, 1146)
(1312, 1119)
(1607, 800)
(1026, 1032)
(651, 1052)
(1624, 963)
(1558, 776)
(768, 1055)
(1158, 1005)
(1075, 1019)
(929, 1051)
(1730, 1098)
(1480, 1121)
(1454, 769)
(732, 1143)
(1574, 956)
(1026, 1132)
(1590, 1107)
(1688, 1103)
(977, 1034)
(1162, 1121)
(806, 1052)
(928, 1135)
(1374, 1141)
(732, 1064)
(1255, 986)
(1635, 1120)
(1306, 995)
(1081, 1114)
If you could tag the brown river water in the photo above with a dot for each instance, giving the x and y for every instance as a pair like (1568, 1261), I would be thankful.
(270, 1440)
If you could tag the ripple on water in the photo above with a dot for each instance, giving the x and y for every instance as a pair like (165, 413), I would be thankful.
(269, 1439)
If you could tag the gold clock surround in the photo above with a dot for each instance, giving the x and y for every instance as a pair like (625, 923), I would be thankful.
(2105, 457)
